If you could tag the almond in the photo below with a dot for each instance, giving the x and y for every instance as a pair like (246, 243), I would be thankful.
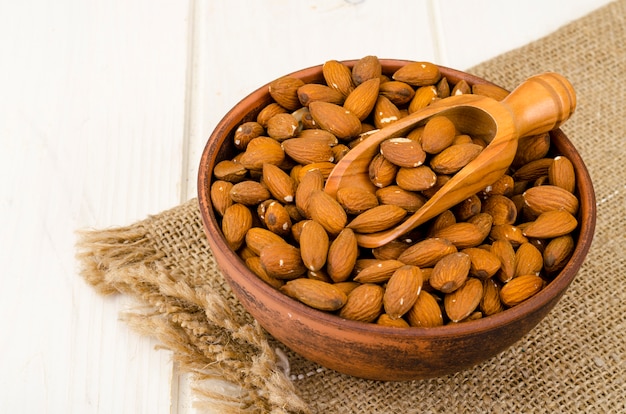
(314, 245)
(254, 264)
(335, 119)
(403, 152)
(258, 238)
(365, 303)
(416, 179)
(519, 289)
(313, 92)
(530, 149)
(551, 224)
(424, 96)
(426, 312)
(439, 133)
(528, 260)
(379, 271)
(391, 250)
(381, 171)
(362, 99)
(315, 293)
(262, 150)
(325, 167)
(503, 186)
(443, 220)
(462, 234)
(356, 200)
(385, 112)
(450, 272)
(228, 170)
(269, 111)
(395, 195)
(418, 74)
(285, 92)
(550, 197)
(509, 232)
(454, 157)
(467, 208)
(386, 320)
(533, 169)
(561, 173)
(282, 261)
(236, 222)
(461, 88)
(490, 302)
(378, 218)
(399, 93)
(320, 135)
(280, 185)
(311, 181)
(282, 126)
(484, 264)
(489, 90)
(366, 68)
(342, 255)
(427, 253)
(277, 219)
(504, 251)
(246, 132)
(308, 150)
(501, 208)
(338, 76)
(402, 290)
(220, 196)
(249, 193)
(464, 300)
(327, 211)
(557, 253)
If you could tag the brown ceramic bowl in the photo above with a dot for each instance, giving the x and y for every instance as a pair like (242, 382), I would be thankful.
(369, 350)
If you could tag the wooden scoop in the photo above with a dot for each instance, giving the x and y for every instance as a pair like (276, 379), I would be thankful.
(538, 105)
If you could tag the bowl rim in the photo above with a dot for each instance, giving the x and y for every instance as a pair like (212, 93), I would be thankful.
(552, 290)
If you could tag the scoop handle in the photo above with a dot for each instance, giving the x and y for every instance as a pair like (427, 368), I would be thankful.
(541, 103)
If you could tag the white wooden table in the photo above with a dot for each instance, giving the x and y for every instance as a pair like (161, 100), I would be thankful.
(105, 108)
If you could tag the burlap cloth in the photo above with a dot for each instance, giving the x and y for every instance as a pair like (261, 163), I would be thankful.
(573, 361)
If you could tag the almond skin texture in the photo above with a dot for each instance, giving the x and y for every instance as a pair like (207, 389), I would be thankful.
(314, 245)
(285, 92)
(315, 293)
(310, 182)
(439, 132)
(427, 253)
(403, 152)
(450, 273)
(249, 193)
(528, 260)
(262, 150)
(308, 150)
(386, 320)
(402, 290)
(312, 92)
(335, 119)
(385, 112)
(418, 74)
(557, 253)
(484, 263)
(280, 185)
(463, 301)
(338, 76)
(550, 197)
(379, 271)
(378, 218)
(356, 200)
(327, 211)
(282, 261)
(362, 99)
(258, 238)
(399, 93)
(551, 224)
(462, 235)
(561, 173)
(365, 303)
(236, 222)
(455, 157)
(426, 312)
(393, 194)
(368, 67)
(490, 303)
(342, 256)
(220, 196)
(519, 289)
(277, 219)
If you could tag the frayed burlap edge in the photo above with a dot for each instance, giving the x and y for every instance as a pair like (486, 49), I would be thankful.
(207, 339)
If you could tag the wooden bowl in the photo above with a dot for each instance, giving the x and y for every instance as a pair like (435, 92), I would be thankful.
(368, 350)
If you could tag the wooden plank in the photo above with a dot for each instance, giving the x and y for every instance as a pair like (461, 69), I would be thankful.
(92, 136)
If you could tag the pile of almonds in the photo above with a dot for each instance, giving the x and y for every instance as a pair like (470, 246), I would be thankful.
(484, 255)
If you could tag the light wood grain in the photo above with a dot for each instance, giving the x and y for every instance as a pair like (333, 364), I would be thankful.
(104, 109)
